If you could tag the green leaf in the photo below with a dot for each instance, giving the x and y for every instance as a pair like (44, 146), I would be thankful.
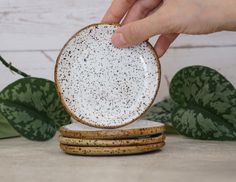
(32, 107)
(161, 112)
(207, 104)
(6, 130)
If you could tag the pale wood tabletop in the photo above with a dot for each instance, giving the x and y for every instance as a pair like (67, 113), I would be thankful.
(31, 34)
(181, 160)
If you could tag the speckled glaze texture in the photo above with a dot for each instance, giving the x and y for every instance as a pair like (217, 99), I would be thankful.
(111, 143)
(103, 86)
(135, 129)
(124, 150)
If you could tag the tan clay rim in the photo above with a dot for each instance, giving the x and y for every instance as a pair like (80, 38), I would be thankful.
(110, 143)
(112, 134)
(111, 150)
(82, 120)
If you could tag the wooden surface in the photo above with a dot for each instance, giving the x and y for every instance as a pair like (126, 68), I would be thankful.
(31, 35)
(180, 160)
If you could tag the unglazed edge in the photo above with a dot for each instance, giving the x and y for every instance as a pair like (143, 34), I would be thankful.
(123, 150)
(111, 142)
(112, 134)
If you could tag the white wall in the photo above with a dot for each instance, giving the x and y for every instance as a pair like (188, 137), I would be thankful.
(33, 31)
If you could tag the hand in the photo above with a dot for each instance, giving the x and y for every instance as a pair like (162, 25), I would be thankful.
(142, 19)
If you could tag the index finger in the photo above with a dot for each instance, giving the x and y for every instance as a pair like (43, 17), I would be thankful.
(117, 10)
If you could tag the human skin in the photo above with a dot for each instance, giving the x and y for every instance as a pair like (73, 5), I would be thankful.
(142, 19)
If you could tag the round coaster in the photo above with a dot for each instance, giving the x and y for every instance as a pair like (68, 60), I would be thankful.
(111, 150)
(111, 143)
(103, 86)
(136, 129)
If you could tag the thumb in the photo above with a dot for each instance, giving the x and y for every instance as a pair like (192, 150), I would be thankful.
(138, 31)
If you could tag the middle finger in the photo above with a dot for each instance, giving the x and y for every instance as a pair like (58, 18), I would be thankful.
(140, 10)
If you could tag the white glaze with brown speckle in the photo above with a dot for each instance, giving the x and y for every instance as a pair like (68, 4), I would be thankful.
(104, 86)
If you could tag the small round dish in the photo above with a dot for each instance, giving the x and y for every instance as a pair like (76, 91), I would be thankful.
(136, 129)
(112, 143)
(123, 150)
(103, 86)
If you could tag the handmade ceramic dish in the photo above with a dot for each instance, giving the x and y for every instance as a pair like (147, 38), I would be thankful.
(111, 143)
(103, 86)
(124, 150)
(133, 130)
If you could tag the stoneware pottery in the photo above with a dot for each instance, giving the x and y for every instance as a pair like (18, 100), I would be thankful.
(124, 150)
(133, 130)
(103, 86)
(111, 143)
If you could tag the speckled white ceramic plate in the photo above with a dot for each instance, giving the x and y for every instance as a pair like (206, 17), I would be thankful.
(104, 86)
(136, 129)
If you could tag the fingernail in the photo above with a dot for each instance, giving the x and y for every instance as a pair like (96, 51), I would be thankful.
(118, 40)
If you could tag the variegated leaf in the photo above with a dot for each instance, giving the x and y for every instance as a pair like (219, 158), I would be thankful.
(207, 104)
(202, 125)
(161, 112)
(32, 107)
(6, 130)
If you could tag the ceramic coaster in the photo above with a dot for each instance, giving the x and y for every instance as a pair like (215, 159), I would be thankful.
(124, 150)
(135, 129)
(103, 86)
(111, 143)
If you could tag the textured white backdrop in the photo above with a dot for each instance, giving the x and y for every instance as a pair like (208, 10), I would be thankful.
(32, 32)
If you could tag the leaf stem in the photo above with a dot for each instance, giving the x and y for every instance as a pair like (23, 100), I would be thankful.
(9, 65)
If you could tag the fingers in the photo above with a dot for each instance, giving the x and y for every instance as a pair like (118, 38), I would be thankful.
(117, 10)
(140, 10)
(164, 42)
(137, 28)
(138, 31)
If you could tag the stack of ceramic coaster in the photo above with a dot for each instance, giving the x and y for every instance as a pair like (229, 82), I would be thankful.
(108, 89)
(139, 137)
